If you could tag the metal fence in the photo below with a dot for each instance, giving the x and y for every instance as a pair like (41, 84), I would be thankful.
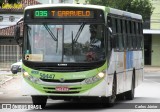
(9, 54)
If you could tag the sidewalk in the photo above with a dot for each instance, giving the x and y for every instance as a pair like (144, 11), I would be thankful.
(4, 77)
(151, 69)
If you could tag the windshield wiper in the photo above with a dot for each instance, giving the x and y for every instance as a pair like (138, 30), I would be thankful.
(50, 32)
(79, 32)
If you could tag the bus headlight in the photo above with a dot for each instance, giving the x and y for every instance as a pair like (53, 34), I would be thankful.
(31, 78)
(26, 74)
(101, 74)
(95, 78)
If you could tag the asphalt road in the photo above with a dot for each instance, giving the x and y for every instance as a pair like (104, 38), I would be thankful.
(148, 93)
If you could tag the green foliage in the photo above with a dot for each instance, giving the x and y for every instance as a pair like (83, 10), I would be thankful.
(119, 4)
(13, 1)
(77, 1)
(143, 7)
(1, 1)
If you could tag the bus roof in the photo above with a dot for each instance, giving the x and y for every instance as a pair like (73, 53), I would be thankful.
(105, 9)
(66, 5)
(125, 13)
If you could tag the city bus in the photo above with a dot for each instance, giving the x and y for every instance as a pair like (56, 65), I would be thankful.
(75, 51)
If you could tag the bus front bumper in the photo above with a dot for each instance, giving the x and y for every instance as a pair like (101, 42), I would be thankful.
(97, 89)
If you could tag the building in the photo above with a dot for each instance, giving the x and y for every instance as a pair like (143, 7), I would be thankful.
(60, 1)
(152, 37)
(10, 52)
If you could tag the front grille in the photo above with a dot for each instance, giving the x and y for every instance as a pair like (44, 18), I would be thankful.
(65, 81)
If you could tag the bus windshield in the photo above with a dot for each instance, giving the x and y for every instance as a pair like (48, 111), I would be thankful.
(77, 43)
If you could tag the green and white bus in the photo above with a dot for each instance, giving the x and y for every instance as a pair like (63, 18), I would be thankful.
(74, 51)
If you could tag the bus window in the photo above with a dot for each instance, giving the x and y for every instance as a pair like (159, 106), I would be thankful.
(120, 37)
(114, 26)
(134, 39)
(137, 35)
(124, 33)
(39, 40)
(130, 45)
(115, 31)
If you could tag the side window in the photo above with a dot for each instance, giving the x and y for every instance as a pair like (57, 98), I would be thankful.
(124, 27)
(137, 35)
(134, 39)
(120, 37)
(129, 38)
(114, 27)
(114, 32)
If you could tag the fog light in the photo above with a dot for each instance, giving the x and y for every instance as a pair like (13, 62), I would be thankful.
(101, 74)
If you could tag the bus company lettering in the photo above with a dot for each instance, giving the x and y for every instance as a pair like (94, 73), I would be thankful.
(71, 13)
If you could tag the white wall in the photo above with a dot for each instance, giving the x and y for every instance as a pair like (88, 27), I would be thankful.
(6, 22)
(60, 1)
(43, 1)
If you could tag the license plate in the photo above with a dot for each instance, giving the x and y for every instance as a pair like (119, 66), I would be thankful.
(62, 89)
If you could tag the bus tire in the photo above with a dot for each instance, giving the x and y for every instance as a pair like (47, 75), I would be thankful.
(14, 72)
(120, 96)
(40, 100)
(111, 99)
(129, 95)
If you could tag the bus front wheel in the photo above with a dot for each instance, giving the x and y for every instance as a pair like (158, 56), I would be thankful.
(39, 100)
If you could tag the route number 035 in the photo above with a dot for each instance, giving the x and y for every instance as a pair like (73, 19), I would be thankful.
(41, 13)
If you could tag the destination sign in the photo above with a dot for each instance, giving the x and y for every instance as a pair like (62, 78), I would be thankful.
(63, 14)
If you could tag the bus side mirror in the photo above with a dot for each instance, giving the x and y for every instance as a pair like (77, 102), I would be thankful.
(17, 35)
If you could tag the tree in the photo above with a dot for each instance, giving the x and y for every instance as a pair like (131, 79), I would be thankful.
(143, 7)
(77, 1)
(119, 4)
(13, 1)
(1, 2)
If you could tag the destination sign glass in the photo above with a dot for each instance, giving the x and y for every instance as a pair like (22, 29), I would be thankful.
(63, 14)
